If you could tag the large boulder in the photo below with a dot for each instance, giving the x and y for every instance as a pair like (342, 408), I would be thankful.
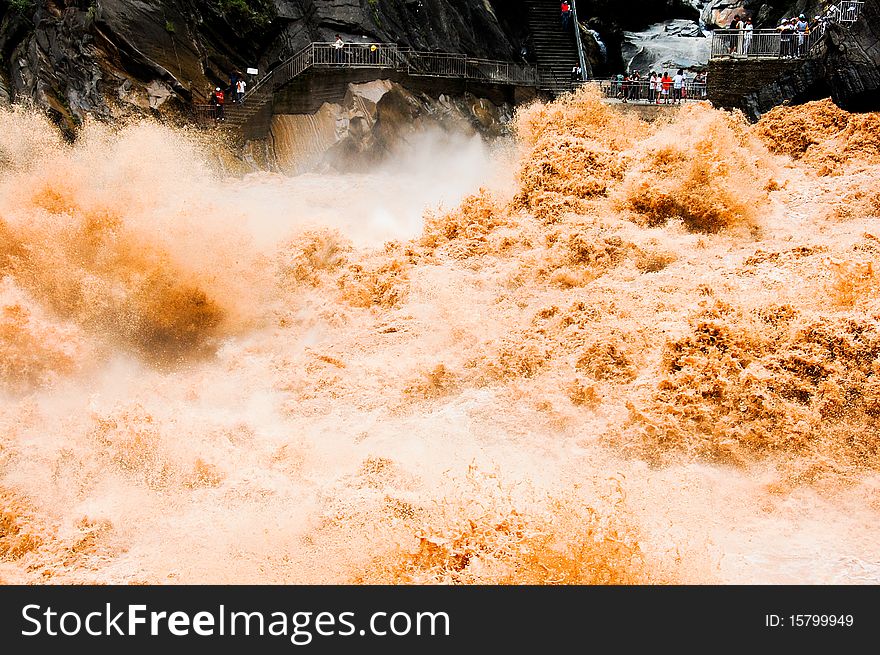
(375, 120)
(667, 46)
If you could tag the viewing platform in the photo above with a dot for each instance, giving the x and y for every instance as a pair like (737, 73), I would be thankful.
(360, 61)
(781, 43)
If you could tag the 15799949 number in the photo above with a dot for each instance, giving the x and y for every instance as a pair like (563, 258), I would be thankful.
(821, 620)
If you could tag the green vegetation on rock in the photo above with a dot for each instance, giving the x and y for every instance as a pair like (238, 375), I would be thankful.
(21, 6)
(247, 14)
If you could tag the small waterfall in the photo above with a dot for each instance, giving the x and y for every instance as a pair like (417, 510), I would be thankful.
(603, 49)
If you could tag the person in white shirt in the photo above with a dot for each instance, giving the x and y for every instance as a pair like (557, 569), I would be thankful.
(677, 85)
(747, 38)
(741, 26)
(339, 45)
(240, 87)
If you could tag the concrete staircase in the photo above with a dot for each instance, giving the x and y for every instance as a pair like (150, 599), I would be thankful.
(239, 115)
(555, 48)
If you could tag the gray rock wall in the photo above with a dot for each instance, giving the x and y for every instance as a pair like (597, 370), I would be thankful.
(846, 67)
(755, 86)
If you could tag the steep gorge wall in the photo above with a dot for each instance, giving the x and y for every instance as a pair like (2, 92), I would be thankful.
(111, 58)
(107, 58)
(756, 85)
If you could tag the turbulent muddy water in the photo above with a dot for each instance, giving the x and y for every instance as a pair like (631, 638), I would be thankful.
(610, 352)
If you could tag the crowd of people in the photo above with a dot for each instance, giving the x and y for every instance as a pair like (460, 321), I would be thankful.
(658, 88)
(794, 33)
(742, 41)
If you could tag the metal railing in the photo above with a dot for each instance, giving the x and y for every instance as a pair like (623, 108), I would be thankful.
(848, 12)
(582, 62)
(763, 43)
(381, 56)
(641, 91)
(392, 56)
(205, 113)
(782, 43)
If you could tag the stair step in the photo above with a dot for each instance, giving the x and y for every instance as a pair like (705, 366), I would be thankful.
(555, 48)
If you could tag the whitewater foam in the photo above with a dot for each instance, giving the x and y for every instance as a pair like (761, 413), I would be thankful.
(210, 378)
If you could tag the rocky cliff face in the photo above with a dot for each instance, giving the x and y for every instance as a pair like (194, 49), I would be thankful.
(765, 13)
(106, 58)
(110, 57)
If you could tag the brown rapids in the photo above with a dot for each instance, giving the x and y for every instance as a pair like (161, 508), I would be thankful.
(629, 353)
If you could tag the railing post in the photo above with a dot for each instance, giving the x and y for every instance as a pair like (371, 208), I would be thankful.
(577, 38)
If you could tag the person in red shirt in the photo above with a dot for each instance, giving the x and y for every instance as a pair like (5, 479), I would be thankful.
(566, 15)
(218, 100)
(665, 86)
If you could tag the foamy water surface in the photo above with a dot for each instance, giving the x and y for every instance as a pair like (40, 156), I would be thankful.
(616, 352)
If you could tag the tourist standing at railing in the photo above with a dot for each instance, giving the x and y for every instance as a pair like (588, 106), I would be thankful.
(786, 33)
(740, 37)
(731, 45)
(700, 83)
(652, 86)
(339, 46)
(566, 15)
(747, 36)
(229, 91)
(665, 87)
(802, 30)
(677, 86)
(832, 13)
(218, 101)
